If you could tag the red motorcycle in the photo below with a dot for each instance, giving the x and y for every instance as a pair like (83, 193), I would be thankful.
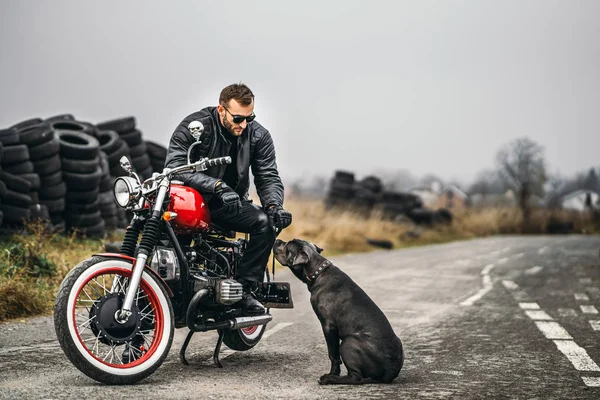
(115, 314)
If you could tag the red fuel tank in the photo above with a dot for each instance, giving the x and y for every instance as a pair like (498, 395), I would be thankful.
(192, 212)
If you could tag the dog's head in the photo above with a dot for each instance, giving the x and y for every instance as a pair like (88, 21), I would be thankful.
(296, 254)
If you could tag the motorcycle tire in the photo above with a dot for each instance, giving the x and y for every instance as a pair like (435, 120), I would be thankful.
(245, 338)
(83, 296)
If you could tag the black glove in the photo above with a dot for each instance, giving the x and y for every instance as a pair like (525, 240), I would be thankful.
(278, 217)
(229, 198)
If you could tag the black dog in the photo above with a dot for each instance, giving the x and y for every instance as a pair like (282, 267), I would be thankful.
(369, 348)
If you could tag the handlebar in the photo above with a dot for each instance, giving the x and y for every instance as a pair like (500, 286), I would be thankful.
(218, 161)
(149, 185)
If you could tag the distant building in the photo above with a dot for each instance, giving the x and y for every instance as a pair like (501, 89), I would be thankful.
(429, 194)
(452, 197)
(580, 200)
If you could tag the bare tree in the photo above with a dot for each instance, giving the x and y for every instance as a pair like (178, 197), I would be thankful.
(591, 181)
(487, 182)
(522, 166)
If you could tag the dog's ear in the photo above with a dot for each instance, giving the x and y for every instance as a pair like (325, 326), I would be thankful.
(300, 258)
(319, 250)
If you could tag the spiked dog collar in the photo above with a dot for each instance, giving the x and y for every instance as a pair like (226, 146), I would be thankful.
(324, 265)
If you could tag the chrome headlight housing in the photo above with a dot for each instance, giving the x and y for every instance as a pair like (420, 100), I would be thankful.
(127, 191)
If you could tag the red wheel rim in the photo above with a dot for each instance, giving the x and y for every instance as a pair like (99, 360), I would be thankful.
(152, 300)
(250, 330)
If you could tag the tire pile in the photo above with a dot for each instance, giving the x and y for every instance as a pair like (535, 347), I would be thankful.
(369, 194)
(132, 139)
(62, 171)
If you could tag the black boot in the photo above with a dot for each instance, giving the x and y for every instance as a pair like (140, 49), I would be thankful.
(249, 304)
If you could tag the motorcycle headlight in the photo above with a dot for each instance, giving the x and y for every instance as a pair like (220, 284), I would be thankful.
(126, 191)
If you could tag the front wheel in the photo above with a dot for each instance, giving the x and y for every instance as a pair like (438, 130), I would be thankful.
(92, 339)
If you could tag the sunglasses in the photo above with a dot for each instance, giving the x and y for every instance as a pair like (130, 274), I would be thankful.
(238, 119)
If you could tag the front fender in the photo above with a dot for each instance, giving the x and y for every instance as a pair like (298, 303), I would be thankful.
(133, 261)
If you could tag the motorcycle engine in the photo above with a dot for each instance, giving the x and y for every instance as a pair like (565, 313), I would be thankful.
(165, 263)
(227, 291)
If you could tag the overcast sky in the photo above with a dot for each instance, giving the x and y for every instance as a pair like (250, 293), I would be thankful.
(429, 86)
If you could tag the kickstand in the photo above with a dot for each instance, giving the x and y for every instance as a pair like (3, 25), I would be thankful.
(218, 349)
(184, 347)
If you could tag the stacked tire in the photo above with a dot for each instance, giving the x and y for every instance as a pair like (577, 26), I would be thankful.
(157, 154)
(395, 204)
(114, 148)
(63, 170)
(20, 184)
(341, 190)
(138, 152)
(366, 192)
(82, 173)
(106, 201)
(44, 149)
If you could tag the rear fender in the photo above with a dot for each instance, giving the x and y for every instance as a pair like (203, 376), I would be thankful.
(133, 260)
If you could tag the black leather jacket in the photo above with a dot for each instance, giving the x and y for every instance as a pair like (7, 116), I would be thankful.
(255, 149)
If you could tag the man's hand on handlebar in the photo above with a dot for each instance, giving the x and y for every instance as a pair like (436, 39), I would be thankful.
(278, 217)
(230, 199)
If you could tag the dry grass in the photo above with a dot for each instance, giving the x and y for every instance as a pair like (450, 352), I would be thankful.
(26, 290)
(345, 231)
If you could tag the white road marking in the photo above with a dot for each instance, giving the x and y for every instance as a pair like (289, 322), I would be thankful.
(486, 270)
(592, 381)
(519, 255)
(595, 324)
(505, 249)
(503, 260)
(534, 270)
(577, 355)
(585, 280)
(226, 352)
(510, 285)
(529, 306)
(276, 328)
(455, 373)
(543, 250)
(552, 330)
(581, 296)
(588, 309)
(538, 315)
(487, 286)
(567, 312)
(593, 290)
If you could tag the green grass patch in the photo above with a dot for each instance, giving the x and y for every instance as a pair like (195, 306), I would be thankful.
(33, 263)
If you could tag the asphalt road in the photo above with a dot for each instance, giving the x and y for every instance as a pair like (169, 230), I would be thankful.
(497, 318)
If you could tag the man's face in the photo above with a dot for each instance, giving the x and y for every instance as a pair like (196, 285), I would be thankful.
(234, 108)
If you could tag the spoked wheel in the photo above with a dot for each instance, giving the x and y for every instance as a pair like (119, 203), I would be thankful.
(100, 346)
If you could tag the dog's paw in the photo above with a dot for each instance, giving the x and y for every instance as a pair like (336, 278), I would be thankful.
(326, 379)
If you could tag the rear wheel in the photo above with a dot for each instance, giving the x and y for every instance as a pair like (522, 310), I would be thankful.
(245, 338)
(94, 341)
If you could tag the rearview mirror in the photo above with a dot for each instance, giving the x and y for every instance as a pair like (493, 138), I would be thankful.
(125, 164)
(196, 129)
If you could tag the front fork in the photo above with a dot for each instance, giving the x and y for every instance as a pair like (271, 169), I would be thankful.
(149, 239)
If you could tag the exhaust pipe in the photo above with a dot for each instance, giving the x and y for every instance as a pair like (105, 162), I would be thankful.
(245, 322)
(235, 323)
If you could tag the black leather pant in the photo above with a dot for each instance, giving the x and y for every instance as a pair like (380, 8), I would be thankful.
(253, 220)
